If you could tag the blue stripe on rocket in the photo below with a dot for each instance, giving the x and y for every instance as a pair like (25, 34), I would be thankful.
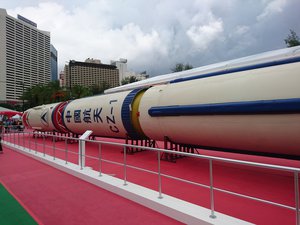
(277, 106)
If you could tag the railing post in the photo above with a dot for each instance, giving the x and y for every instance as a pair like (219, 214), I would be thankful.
(23, 140)
(66, 148)
(100, 159)
(81, 148)
(18, 139)
(296, 181)
(44, 151)
(125, 166)
(15, 138)
(35, 144)
(30, 142)
(80, 155)
(212, 201)
(159, 177)
(53, 146)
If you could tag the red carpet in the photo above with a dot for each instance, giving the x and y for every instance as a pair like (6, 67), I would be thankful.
(55, 197)
(271, 185)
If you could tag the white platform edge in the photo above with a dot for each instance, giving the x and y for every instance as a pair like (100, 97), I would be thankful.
(175, 208)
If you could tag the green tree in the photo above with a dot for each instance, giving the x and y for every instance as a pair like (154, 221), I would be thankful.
(181, 67)
(99, 89)
(128, 80)
(43, 94)
(50, 93)
(56, 92)
(292, 39)
(8, 106)
(37, 95)
(80, 91)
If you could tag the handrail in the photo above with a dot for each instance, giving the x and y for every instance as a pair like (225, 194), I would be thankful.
(234, 161)
(215, 158)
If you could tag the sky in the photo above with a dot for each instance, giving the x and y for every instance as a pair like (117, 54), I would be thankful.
(154, 35)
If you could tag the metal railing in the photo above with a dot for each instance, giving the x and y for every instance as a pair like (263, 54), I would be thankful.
(15, 139)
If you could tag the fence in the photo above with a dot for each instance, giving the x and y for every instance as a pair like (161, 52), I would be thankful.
(15, 139)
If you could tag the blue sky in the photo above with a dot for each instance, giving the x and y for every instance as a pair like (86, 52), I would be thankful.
(156, 34)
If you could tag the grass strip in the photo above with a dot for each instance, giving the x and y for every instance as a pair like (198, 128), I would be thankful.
(11, 212)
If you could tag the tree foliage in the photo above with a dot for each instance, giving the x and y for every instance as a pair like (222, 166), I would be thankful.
(79, 91)
(44, 94)
(99, 89)
(181, 67)
(50, 93)
(8, 106)
(292, 39)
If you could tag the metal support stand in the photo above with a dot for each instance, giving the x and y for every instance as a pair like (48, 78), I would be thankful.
(172, 157)
(138, 142)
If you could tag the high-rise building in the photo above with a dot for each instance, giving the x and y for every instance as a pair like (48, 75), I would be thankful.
(122, 67)
(90, 73)
(54, 70)
(62, 79)
(24, 56)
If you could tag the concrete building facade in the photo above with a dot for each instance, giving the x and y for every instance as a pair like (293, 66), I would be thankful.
(24, 56)
(90, 73)
(121, 64)
(54, 67)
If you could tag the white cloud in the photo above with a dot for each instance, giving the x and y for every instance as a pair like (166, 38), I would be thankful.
(89, 32)
(129, 42)
(154, 35)
(241, 30)
(203, 35)
(273, 7)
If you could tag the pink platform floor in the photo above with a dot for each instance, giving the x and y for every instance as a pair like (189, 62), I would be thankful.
(271, 185)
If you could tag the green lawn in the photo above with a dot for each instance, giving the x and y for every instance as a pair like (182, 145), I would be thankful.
(11, 212)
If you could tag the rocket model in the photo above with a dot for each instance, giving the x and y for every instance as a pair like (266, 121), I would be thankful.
(248, 104)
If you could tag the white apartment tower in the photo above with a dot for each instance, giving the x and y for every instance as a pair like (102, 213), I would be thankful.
(24, 56)
(122, 67)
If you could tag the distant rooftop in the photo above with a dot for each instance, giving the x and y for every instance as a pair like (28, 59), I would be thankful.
(91, 64)
(27, 20)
